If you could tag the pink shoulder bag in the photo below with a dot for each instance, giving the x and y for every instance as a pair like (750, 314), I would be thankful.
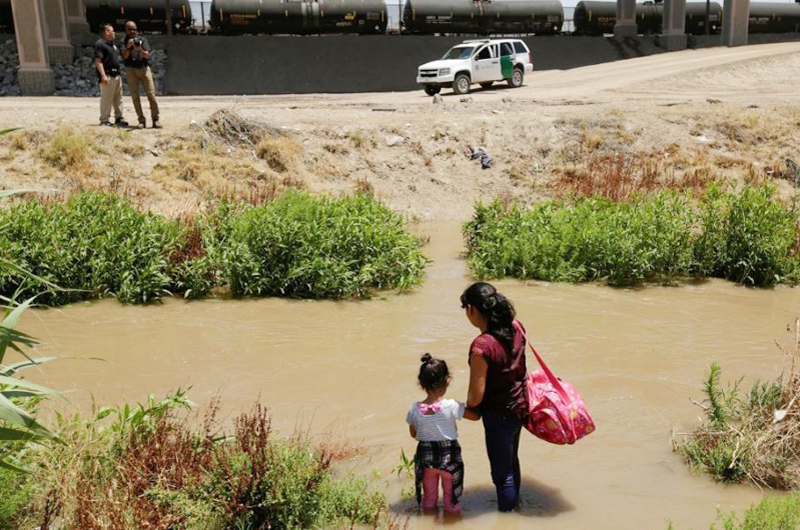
(556, 412)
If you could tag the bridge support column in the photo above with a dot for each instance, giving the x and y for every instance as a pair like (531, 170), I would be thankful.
(673, 37)
(626, 19)
(735, 16)
(76, 20)
(55, 22)
(35, 76)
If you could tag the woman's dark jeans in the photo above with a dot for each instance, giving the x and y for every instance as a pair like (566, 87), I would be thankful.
(502, 445)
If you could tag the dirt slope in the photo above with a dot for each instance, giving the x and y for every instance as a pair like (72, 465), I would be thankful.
(724, 112)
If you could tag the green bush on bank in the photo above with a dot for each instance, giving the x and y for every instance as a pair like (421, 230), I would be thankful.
(772, 513)
(91, 245)
(149, 466)
(297, 245)
(17, 495)
(747, 237)
(317, 247)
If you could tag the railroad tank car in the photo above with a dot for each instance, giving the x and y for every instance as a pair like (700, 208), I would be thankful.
(482, 17)
(598, 17)
(149, 15)
(6, 18)
(772, 17)
(298, 17)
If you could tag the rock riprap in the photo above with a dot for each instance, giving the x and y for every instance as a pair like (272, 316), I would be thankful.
(76, 79)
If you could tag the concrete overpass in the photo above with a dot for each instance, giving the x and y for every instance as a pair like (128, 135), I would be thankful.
(735, 15)
(45, 32)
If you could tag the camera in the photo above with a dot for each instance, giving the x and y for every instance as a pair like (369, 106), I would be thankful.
(137, 42)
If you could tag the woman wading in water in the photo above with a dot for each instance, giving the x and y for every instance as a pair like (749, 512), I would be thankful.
(497, 384)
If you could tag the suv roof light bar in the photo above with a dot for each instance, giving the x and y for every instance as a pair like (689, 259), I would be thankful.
(473, 41)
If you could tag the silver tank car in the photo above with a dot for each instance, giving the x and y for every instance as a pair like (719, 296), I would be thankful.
(481, 17)
(772, 17)
(293, 17)
(598, 17)
(149, 15)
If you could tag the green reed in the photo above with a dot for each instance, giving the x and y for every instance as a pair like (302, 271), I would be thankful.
(297, 245)
(91, 245)
(748, 237)
(304, 246)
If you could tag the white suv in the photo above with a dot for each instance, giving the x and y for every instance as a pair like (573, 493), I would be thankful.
(477, 61)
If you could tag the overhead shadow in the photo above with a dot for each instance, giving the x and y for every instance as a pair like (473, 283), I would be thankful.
(537, 500)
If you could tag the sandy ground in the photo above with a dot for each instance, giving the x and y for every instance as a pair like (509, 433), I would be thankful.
(727, 112)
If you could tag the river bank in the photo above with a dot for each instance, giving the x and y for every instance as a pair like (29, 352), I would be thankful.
(721, 114)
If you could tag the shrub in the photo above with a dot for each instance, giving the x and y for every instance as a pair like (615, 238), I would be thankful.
(68, 148)
(747, 237)
(772, 513)
(18, 491)
(587, 239)
(761, 236)
(92, 245)
(297, 245)
(749, 438)
(303, 246)
(151, 467)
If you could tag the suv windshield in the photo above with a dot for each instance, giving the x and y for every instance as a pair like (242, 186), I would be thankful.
(459, 52)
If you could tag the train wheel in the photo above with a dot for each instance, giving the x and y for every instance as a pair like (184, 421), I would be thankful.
(515, 81)
(432, 90)
(487, 85)
(461, 84)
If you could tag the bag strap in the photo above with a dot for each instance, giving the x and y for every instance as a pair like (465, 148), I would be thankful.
(552, 378)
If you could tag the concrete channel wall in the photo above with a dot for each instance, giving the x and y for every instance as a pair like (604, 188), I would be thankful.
(217, 65)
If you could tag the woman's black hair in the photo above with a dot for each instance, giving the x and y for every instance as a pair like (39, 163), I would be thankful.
(433, 374)
(496, 308)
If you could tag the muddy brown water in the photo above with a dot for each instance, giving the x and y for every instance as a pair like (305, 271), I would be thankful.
(636, 355)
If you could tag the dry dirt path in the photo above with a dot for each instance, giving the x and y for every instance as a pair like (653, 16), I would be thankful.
(742, 72)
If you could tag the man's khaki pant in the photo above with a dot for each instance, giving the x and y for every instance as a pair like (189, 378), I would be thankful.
(111, 94)
(142, 77)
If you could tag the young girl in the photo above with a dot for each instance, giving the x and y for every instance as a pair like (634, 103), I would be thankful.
(432, 423)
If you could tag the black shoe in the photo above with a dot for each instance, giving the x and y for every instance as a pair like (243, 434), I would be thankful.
(119, 122)
(156, 124)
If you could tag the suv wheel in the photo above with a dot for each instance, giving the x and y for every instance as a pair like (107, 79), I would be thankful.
(461, 84)
(432, 90)
(515, 81)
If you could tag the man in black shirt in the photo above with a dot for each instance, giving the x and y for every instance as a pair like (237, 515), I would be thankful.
(106, 60)
(136, 54)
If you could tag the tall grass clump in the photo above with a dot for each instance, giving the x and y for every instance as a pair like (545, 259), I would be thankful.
(151, 466)
(747, 236)
(296, 245)
(300, 245)
(91, 245)
(68, 148)
(586, 239)
(752, 437)
(772, 513)
(18, 492)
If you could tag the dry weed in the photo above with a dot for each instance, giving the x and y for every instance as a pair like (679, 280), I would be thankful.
(230, 127)
(618, 177)
(280, 153)
(69, 149)
(364, 187)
